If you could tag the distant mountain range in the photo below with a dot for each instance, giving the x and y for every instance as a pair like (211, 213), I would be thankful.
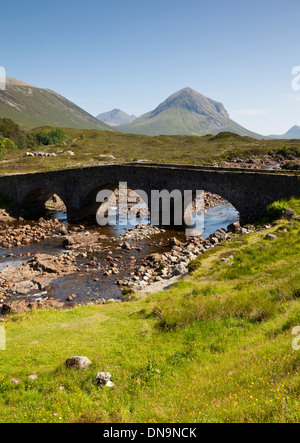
(30, 106)
(187, 112)
(294, 132)
(116, 117)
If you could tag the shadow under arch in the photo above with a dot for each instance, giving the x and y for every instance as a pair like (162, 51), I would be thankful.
(41, 202)
(89, 206)
(204, 212)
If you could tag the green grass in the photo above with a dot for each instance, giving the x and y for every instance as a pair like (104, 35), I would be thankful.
(93, 147)
(217, 347)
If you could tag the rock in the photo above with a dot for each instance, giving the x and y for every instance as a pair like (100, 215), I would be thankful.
(63, 231)
(220, 235)
(103, 379)
(289, 213)
(15, 307)
(82, 242)
(271, 236)
(52, 265)
(78, 363)
(69, 241)
(23, 288)
(174, 242)
(214, 240)
(234, 227)
(16, 381)
(179, 269)
(32, 376)
(125, 245)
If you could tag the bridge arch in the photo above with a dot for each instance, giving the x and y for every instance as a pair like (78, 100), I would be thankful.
(89, 206)
(35, 202)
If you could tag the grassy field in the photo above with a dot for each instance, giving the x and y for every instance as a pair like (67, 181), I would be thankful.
(92, 148)
(217, 347)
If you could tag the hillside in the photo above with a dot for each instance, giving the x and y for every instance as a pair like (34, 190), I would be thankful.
(187, 112)
(293, 133)
(30, 106)
(92, 148)
(116, 117)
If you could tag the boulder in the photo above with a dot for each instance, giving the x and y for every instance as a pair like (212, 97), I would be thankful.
(125, 245)
(289, 213)
(179, 269)
(20, 306)
(271, 236)
(103, 379)
(78, 363)
(173, 241)
(234, 227)
(220, 235)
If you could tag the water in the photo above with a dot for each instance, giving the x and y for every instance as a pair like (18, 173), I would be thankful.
(219, 217)
(91, 285)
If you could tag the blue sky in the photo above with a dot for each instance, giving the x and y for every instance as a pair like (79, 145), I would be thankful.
(133, 54)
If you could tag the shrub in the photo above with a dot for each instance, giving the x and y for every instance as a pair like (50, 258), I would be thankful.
(6, 145)
(10, 130)
(276, 209)
(53, 137)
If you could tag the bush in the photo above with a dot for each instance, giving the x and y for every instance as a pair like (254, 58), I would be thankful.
(5, 145)
(276, 209)
(53, 137)
(10, 130)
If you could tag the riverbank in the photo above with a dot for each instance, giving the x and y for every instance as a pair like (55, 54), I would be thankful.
(216, 347)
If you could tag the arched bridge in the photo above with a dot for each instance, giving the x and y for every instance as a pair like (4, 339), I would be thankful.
(249, 191)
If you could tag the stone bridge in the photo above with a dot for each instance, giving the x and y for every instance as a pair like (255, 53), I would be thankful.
(250, 192)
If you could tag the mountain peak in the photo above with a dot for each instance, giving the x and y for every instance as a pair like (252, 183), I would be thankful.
(186, 112)
(293, 133)
(192, 101)
(116, 117)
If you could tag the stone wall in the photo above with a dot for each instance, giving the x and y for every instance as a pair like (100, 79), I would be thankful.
(249, 191)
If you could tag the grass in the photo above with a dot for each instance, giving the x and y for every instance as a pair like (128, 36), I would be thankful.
(93, 147)
(216, 347)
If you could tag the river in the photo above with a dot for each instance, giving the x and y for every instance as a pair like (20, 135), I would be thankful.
(90, 285)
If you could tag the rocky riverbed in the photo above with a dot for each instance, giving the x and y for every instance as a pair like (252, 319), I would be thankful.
(50, 264)
(264, 162)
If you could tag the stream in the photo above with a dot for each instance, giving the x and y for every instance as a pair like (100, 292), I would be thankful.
(90, 284)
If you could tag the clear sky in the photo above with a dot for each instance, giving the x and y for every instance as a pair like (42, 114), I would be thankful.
(133, 54)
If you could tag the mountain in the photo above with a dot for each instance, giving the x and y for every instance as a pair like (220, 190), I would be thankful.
(187, 112)
(31, 106)
(116, 117)
(294, 132)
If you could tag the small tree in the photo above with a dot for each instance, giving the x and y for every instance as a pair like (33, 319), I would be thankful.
(6, 145)
(53, 137)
